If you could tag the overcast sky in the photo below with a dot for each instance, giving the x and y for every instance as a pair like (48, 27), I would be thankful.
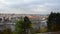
(29, 6)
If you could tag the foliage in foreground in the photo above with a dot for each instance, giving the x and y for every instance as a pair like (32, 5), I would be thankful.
(54, 22)
(23, 25)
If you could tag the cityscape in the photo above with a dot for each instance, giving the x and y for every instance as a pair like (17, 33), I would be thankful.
(29, 16)
(10, 19)
(39, 22)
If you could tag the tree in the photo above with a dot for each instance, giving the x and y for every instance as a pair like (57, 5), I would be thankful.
(58, 21)
(26, 25)
(19, 29)
(0, 19)
(23, 25)
(53, 22)
(50, 20)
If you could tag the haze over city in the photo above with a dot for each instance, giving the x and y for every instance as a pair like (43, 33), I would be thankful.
(29, 6)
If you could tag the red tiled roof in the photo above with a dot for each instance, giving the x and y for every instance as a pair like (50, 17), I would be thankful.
(32, 16)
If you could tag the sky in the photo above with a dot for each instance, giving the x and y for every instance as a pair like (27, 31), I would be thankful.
(29, 6)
